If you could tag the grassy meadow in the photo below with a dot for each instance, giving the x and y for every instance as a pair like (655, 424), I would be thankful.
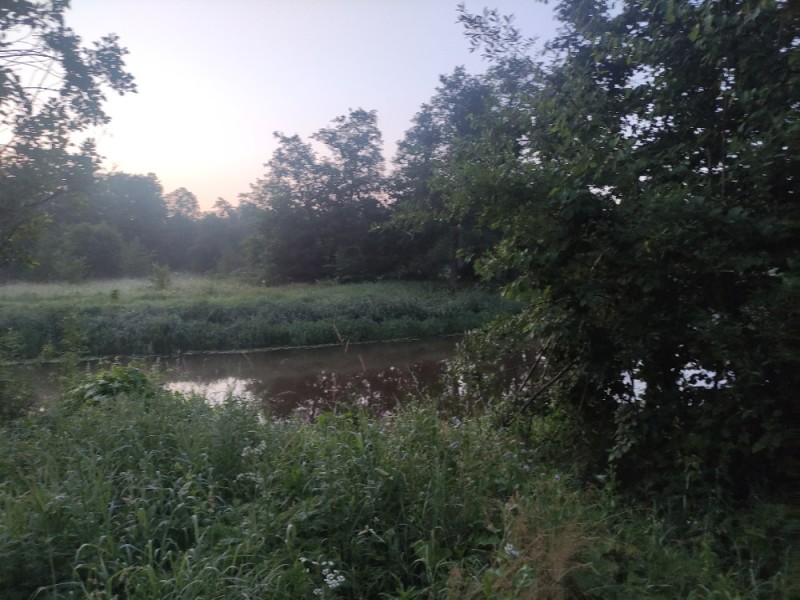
(133, 317)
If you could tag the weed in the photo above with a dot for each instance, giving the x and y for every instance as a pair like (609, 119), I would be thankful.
(160, 277)
(145, 494)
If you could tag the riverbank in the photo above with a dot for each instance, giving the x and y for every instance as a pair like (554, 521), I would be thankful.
(130, 317)
(145, 494)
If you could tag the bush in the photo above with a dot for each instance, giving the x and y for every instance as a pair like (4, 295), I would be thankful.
(160, 277)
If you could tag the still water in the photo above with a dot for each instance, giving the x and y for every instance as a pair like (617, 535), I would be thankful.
(376, 376)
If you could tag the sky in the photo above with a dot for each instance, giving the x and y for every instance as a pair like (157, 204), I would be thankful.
(216, 78)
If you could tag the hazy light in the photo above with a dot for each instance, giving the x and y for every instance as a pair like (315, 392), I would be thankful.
(217, 78)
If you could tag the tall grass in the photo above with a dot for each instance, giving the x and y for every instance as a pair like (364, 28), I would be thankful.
(196, 314)
(124, 490)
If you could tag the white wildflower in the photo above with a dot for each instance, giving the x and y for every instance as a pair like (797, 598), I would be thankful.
(254, 478)
(255, 450)
(333, 577)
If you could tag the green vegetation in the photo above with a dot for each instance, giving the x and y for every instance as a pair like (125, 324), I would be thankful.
(194, 314)
(124, 490)
(636, 192)
(642, 186)
(52, 90)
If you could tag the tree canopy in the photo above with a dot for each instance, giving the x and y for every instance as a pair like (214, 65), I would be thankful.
(51, 88)
(426, 185)
(648, 210)
(319, 209)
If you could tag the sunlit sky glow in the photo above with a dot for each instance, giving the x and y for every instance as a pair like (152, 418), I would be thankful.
(216, 78)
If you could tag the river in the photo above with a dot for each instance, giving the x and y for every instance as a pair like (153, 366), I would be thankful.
(376, 376)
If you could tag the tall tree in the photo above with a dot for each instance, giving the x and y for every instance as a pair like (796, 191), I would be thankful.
(355, 167)
(223, 208)
(181, 229)
(182, 202)
(292, 196)
(427, 198)
(319, 209)
(650, 207)
(51, 87)
(440, 159)
(134, 205)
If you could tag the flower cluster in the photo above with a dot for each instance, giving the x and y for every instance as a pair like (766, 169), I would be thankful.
(512, 551)
(255, 450)
(333, 578)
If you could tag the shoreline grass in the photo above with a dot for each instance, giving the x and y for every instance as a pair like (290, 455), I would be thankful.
(204, 314)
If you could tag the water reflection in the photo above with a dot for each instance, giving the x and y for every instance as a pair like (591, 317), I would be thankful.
(375, 376)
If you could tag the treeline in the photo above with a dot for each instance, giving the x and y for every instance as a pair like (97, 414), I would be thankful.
(329, 214)
(124, 225)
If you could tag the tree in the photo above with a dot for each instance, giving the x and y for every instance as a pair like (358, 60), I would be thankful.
(436, 184)
(51, 87)
(433, 167)
(134, 205)
(292, 244)
(182, 202)
(319, 210)
(223, 208)
(649, 213)
(98, 248)
(355, 166)
(181, 229)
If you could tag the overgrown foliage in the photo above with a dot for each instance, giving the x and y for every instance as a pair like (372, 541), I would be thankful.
(648, 212)
(51, 87)
(138, 493)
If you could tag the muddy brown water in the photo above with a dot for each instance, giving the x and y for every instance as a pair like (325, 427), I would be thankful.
(376, 376)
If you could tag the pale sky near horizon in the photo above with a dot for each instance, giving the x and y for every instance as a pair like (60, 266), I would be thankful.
(216, 79)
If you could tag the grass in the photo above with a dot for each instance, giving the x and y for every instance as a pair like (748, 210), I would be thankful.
(124, 490)
(131, 290)
(130, 317)
(24, 292)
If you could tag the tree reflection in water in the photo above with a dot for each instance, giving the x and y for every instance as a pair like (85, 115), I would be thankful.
(375, 377)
